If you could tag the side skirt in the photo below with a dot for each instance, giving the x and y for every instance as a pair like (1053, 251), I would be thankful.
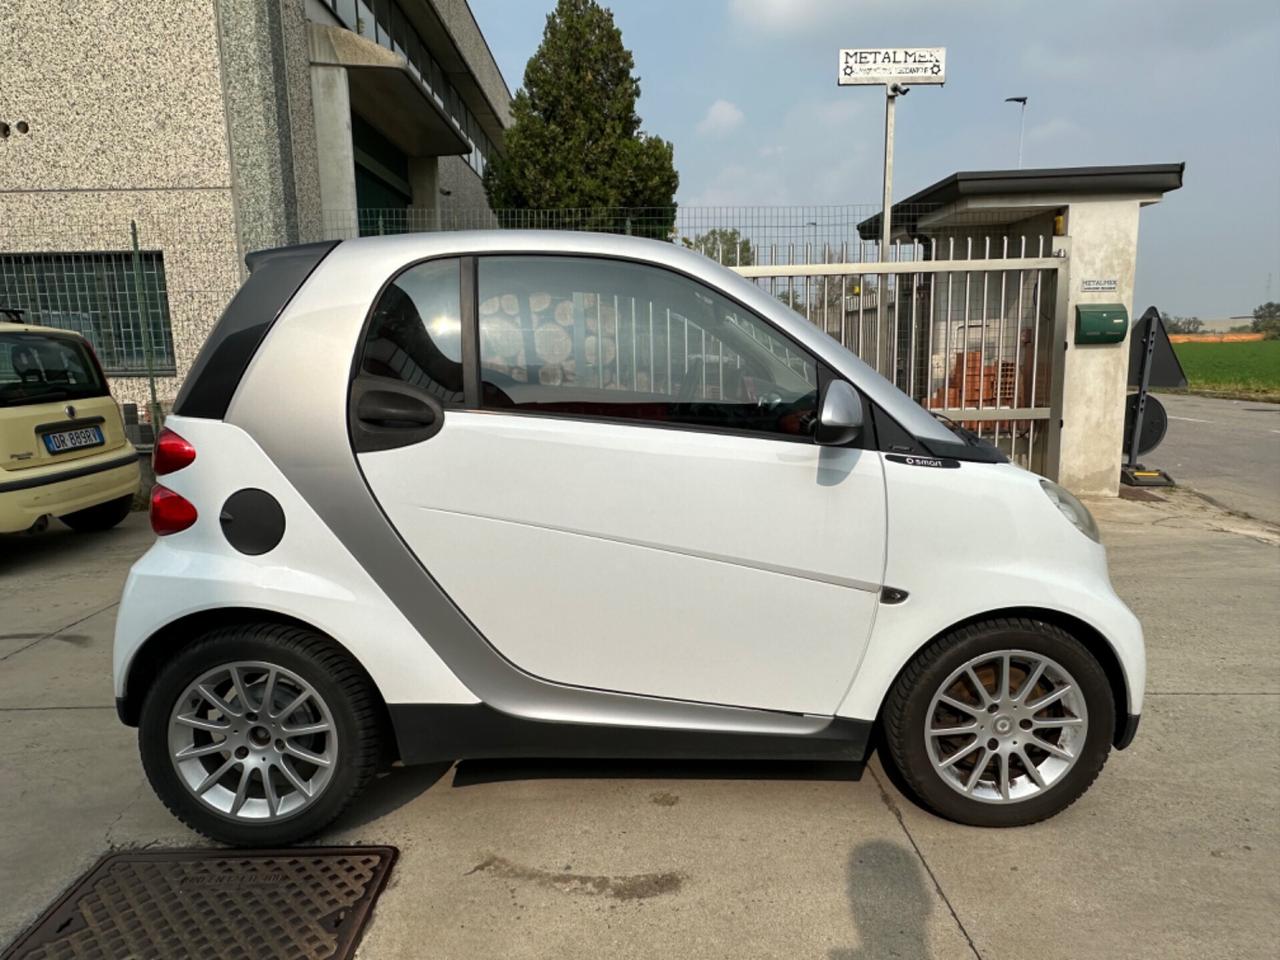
(429, 733)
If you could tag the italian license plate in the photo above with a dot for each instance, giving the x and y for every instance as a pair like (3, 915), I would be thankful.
(73, 439)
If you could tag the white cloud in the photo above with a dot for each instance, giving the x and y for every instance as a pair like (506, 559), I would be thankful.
(722, 117)
(780, 14)
(816, 152)
(813, 16)
(1059, 63)
(1056, 129)
(738, 184)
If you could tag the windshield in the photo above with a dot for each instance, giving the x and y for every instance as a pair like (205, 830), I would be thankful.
(41, 367)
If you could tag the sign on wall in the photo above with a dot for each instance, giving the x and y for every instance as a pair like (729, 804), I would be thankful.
(1098, 286)
(884, 65)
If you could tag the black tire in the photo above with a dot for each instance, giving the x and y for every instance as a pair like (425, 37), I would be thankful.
(904, 714)
(102, 517)
(344, 687)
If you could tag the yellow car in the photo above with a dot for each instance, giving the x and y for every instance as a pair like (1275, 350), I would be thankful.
(63, 450)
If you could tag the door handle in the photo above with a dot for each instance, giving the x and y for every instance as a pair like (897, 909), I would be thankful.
(384, 408)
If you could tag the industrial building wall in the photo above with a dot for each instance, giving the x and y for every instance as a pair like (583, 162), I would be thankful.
(124, 116)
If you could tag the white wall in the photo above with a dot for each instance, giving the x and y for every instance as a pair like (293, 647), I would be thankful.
(1104, 246)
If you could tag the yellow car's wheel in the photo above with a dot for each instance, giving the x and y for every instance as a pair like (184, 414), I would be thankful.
(102, 517)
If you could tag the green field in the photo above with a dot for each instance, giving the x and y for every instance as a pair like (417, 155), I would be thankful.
(1238, 369)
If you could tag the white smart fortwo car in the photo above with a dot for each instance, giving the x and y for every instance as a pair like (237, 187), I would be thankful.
(510, 494)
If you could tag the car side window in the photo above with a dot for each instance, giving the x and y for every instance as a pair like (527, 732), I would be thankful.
(416, 331)
(580, 336)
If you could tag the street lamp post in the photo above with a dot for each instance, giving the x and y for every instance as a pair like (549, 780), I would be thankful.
(1022, 122)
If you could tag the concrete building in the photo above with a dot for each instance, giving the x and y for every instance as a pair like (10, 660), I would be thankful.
(219, 127)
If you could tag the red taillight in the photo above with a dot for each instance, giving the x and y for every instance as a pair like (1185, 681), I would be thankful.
(172, 452)
(170, 512)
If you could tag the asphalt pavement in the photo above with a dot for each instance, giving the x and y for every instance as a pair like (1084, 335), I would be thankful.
(1171, 854)
(1226, 449)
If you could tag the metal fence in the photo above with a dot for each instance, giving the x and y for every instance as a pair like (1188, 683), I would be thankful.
(968, 337)
(101, 295)
(734, 236)
(963, 321)
(144, 307)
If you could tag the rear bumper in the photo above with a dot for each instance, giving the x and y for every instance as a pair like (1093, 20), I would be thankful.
(24, 498)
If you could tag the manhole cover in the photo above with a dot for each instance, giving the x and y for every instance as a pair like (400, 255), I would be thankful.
(299, 904)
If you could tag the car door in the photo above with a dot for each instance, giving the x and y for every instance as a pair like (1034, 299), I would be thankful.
(627, 495)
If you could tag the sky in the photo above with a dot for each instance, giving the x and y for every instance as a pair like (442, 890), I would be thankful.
(746, 91)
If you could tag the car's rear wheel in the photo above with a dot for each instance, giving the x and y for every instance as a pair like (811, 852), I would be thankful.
(1000, 723)
(104, 516)
(259, 734)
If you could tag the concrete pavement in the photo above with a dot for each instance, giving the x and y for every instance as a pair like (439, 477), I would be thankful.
(1172, 854)
(1226, 449)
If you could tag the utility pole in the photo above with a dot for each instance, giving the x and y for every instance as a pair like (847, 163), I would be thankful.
(891, 93)
(1022, 122)
(893, 68)
(144, 329)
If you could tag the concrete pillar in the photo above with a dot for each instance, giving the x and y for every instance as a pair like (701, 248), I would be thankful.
(331, 102)
(424, 183)
(1104, 247)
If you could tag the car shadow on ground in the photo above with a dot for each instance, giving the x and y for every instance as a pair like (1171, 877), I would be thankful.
(24, 552)
(389, 791)
(398, 786)
(472, 772)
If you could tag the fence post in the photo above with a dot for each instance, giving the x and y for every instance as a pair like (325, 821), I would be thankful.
(1051, 466)
(144, 310)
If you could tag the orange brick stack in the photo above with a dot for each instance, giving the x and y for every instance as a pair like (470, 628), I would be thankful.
(977, 384)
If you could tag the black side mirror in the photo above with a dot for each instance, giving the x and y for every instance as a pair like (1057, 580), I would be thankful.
(840, 420)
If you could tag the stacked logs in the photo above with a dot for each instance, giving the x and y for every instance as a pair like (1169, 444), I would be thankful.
(545, 340)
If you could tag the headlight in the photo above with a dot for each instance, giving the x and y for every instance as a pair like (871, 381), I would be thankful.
(1072, 509)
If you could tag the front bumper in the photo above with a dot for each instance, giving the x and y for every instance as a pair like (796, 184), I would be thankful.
(1128, 730)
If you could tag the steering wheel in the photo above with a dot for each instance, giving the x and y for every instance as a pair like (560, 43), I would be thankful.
(769, 401)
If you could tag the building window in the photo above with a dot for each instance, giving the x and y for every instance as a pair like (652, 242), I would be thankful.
(385, 23)
(97, 296)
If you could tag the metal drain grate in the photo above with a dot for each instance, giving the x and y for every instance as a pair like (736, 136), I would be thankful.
(306, 903)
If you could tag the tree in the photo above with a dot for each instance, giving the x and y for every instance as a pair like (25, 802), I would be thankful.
(724, 245)
(1182, 324)
(1266, 320)
(576, 142)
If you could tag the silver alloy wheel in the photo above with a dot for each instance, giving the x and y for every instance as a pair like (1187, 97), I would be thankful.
(1006, 726)
(253, 740)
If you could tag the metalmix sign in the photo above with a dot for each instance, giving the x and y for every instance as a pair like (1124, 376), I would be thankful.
(885, 65)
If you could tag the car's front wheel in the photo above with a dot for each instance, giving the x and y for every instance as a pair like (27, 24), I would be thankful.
(1000, 723)
(259, 734)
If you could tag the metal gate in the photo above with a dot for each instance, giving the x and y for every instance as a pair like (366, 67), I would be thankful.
(975, 339)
